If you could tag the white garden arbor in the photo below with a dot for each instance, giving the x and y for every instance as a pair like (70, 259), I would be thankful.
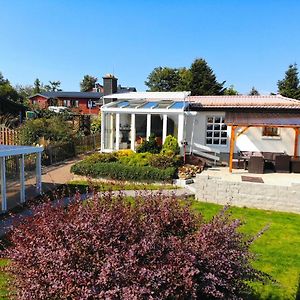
(131, 118)
(15, 156)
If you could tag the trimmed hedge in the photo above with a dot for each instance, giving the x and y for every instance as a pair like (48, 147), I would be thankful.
(116, 170)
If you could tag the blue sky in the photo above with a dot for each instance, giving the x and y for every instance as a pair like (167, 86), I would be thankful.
(247, 43)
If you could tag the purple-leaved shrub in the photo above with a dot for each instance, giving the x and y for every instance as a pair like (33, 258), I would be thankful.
(109, 247)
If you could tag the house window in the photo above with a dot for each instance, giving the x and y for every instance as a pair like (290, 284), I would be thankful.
(270, 131)
(216, 131)
(74, 103)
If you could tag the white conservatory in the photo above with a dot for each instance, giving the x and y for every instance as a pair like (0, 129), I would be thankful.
(130, 118)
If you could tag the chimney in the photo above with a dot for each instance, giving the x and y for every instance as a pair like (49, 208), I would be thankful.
(110, 84)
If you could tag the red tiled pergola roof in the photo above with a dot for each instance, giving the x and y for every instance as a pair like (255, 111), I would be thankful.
(244, 101)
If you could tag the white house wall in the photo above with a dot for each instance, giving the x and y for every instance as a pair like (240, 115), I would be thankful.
(251, 140)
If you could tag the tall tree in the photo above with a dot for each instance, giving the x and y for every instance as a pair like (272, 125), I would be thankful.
(204, 81)
(185, 78)
(53, 86)
(254, 92)
(37, 86)
(289, 86)
(231, 91)
(163, 79)
(88, 83)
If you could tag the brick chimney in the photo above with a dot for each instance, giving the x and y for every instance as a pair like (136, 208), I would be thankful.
(110, 84)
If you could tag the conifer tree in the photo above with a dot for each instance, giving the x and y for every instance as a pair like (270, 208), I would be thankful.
(254, 92)
(289, 86)
(204, 81)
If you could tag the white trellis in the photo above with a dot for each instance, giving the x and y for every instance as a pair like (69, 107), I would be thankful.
(9, 151)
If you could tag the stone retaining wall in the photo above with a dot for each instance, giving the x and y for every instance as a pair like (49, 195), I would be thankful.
(247, 194)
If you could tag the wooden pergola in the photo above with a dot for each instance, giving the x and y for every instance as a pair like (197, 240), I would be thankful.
(246, 120)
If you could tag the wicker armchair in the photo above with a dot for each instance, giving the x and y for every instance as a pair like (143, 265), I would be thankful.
(282, 163)
(295, 165)
(256, 165)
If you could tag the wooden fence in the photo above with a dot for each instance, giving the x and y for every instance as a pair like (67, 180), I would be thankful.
(8, 136)
(61, 151)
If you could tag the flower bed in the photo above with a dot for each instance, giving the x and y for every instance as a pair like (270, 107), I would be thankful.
(127, 165)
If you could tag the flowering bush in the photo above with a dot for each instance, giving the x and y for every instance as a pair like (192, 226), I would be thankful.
(110, 248)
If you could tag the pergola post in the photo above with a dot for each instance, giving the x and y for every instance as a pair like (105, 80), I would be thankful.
(39, 172)
(3, 184)
(117, 131)
(148, 130)
(132, 132)
(22, 179)
(232, 142)
(165, 125)
(296, 142)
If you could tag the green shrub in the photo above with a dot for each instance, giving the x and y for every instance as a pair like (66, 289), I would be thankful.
(150, 146)
(165, 161)
(170, 146)
(102, 157)
(116, 170)
(54, 129)
(137, 159)
(125, 152)
(96, 124)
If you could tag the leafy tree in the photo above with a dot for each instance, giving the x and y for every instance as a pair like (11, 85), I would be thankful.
(153, 247)
(7, 92)
(204, 81)
(25, 91)
(3, 80)
(88, 83)
(163, 79)
(289, 86)
(231, 91)
(53, 86)
(254, 92)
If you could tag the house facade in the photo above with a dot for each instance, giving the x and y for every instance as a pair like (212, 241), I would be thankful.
(79, 102)
(203, 125)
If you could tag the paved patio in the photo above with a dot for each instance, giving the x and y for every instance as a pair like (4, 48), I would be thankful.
(270, 178)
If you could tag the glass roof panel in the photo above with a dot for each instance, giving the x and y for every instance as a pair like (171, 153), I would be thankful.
(123, 104)
(134, 104)
(164, 103)
(178, 105)
(150, 105)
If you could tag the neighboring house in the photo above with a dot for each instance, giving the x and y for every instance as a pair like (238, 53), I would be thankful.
(80, 102)
(203, 125)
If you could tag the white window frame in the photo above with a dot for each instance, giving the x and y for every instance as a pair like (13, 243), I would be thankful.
(213, 130)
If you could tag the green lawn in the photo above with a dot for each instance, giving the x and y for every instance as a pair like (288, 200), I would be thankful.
(278, 249)
(3, 281)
